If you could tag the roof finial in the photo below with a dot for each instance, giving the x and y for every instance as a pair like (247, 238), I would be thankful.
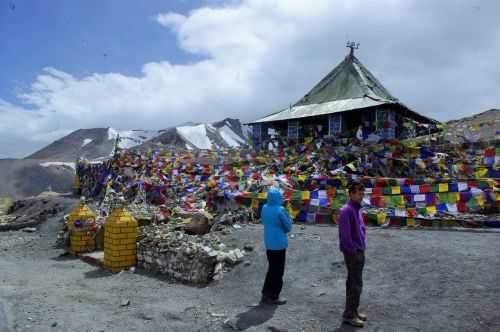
(353, 46)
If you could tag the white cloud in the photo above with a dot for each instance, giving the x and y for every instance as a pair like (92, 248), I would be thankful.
(172, 20)
(262, 55)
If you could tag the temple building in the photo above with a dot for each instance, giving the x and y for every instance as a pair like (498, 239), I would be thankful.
(348, 102)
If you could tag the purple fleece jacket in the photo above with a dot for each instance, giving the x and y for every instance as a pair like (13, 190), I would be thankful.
(351, 228)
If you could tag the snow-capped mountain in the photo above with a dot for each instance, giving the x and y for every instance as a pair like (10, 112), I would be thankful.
(99, 143)
(228, 133)
(91, 144)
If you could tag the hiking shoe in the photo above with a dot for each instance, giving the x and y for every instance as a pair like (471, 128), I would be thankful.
(362, 316)
(355, 321)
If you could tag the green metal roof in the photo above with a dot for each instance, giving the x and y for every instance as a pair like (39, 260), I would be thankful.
(349, 80)
(349, 86)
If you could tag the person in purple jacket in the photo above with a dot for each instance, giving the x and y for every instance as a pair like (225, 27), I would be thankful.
(352, 244)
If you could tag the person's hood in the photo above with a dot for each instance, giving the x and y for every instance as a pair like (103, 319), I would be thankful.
(274, 197)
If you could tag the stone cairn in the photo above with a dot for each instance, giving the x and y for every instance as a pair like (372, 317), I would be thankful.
(168, 250)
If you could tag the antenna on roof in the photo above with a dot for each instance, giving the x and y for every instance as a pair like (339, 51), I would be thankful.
(353, 46)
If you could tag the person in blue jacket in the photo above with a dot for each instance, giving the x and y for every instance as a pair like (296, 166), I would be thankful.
(277, 224)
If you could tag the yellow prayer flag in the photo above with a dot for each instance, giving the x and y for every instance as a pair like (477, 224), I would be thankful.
(396, 190)
(305, 195)
(293, 212)
(480, 200)
(481, 172)
(443, 187)
(431, 210)
(262, 196)
(381, 218)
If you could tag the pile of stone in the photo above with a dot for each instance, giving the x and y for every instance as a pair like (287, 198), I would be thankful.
(168, 250)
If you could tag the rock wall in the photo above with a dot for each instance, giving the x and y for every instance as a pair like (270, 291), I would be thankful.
(198, 269)
(167, 250)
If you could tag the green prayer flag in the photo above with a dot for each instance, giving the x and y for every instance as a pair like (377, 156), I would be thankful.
(473, 204)
(387, 190)
(297, 195)
(422, 211)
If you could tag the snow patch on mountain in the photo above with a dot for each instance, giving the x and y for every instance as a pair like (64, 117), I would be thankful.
(131, 138)
(230, 137)
(196, 135)
(86, 141)
(59, 163)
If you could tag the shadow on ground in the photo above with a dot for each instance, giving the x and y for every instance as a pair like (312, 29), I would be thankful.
(97, 273)
(256, 316)
(64, 258)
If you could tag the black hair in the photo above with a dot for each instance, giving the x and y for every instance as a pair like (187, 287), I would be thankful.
(354, 186)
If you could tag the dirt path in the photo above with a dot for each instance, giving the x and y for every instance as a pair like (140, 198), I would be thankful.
(414, 281)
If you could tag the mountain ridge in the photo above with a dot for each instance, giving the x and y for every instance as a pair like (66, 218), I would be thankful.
(99, 143)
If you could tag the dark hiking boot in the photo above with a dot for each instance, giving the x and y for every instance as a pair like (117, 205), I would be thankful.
(354, 321)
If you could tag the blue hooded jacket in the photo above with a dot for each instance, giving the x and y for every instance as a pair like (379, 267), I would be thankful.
(276, 221)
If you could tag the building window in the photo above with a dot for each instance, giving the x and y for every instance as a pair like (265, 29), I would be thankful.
(334, 124)
(293, 129)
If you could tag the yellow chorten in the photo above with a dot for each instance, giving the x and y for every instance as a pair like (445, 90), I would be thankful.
(120, 240)
(81, 236)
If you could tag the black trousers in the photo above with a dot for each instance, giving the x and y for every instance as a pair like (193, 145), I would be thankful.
(274, 277)
(354, 284)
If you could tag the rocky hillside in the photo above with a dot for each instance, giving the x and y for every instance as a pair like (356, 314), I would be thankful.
(481, 126)
(23, 177)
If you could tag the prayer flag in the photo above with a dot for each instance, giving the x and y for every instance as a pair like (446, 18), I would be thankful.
(462, 186)
(452, 207)
(419, 198)
(443, 187)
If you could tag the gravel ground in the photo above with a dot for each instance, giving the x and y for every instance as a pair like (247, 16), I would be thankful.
(413, 281)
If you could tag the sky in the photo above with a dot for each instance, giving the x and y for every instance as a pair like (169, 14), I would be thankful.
(153, 64)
